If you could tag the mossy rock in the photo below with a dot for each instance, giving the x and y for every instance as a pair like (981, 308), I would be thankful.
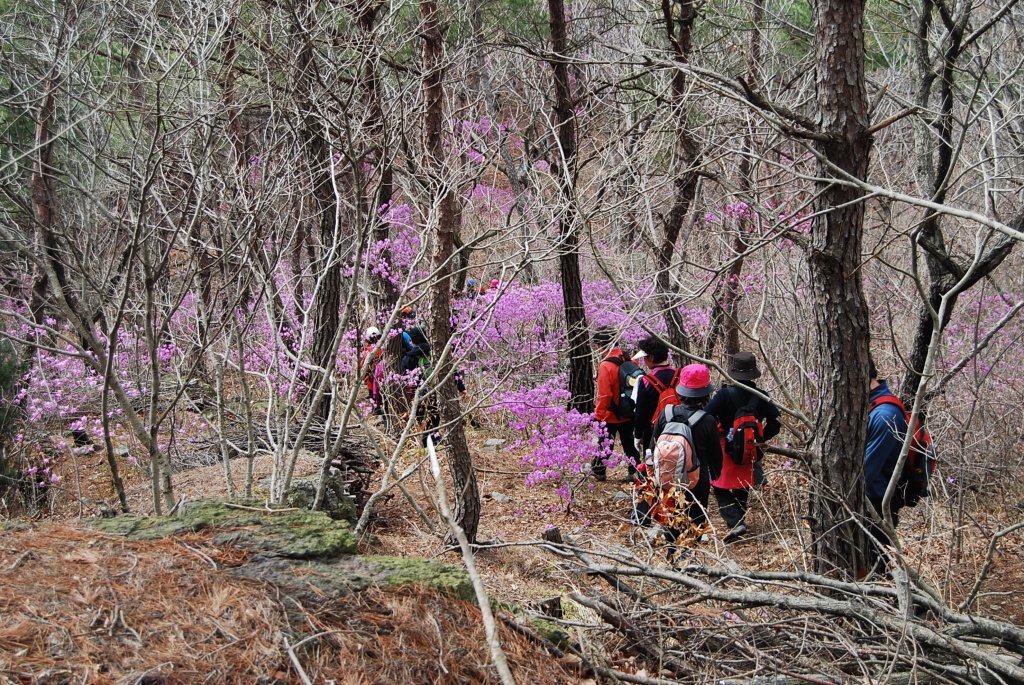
(295, 534)
(451, 580)
(338, 504)
(549, 630)
(15, 526)
(351, 574)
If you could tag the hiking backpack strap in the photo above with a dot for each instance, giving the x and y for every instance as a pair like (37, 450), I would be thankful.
(659, 385)
(886, 399)
(692, 419)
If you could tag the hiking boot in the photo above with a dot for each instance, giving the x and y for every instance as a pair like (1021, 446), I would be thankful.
(738, 531)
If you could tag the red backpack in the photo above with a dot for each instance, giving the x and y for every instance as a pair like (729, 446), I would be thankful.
(667, 396)
(744, 435)
(921, 462)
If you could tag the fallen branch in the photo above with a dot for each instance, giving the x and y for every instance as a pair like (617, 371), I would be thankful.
(497, 653)
(264, 510)
(635, 636)
(973, 594)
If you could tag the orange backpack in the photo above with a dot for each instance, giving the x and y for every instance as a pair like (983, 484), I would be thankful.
(675, 461)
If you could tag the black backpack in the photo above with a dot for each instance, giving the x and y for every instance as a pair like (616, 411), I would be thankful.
(629, 376)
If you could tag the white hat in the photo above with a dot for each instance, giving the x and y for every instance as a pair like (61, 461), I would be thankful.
(372, 333)
(639, 356)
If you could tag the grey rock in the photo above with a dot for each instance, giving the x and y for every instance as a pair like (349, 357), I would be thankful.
(492, 444)
(498, 497)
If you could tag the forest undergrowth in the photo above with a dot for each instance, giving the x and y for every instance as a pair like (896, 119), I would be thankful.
(80, 581)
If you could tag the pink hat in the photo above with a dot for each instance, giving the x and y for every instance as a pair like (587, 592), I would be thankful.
(495, 283)
(695, 381)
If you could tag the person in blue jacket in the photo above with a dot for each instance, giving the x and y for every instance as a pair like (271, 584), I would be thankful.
(887, 426)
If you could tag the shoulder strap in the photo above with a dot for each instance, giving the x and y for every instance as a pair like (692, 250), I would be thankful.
(659, 385)
(749, 407)
(618, 361)
(695, 417)
(886, 399)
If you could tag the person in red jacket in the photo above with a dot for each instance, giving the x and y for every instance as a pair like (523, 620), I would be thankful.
(368, 366)
(608, 393)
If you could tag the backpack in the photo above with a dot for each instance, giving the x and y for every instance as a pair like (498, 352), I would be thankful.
(744, 435)
(667, 396)
(629, 375)
(675, 460)
(921, 461)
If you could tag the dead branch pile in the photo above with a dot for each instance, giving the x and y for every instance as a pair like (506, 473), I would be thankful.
(702, 623)
(356, 456)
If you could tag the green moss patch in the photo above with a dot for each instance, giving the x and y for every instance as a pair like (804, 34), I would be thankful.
(351, 574)
(294, 534)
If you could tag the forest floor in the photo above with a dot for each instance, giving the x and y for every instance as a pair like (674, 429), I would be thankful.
(61, 554)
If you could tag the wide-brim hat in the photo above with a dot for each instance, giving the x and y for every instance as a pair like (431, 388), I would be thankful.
(695, 381)
(744, 367)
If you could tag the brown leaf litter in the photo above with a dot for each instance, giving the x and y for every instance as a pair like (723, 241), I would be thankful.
(81, 607)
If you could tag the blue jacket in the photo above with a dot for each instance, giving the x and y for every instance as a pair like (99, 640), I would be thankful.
(887, 427)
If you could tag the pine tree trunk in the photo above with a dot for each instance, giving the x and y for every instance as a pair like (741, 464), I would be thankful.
(840, 310)
(467, 494)
(679, 32)
(581, 382)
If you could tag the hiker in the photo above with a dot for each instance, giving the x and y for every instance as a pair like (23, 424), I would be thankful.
(368, 366)
(729, 406)
(688, 518)
(655, 390)
(887, 426)
(471, 289)
(609, 396)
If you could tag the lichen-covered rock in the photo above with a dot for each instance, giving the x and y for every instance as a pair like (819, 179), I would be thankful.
(15, 525)
(452, 580)
(338, 504)
(295, 534)
(350, 574)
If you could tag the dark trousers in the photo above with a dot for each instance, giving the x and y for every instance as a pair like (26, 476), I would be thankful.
(875, 552)
(624, 431)
(732, 504)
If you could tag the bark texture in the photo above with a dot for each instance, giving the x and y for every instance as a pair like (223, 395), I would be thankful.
(680, 19)
(460, 463)
(581, 382)
(840, 310)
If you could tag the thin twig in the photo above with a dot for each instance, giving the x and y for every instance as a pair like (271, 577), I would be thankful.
(198, 553)
(497, 653)
(135, 562)
(17, 562)
(973, 594)
(265, 510)
(296, 664)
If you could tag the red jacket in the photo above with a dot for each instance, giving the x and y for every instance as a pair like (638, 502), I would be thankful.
(608, 389)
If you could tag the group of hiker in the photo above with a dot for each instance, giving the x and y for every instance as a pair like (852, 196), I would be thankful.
(415, 365)
(682, 440)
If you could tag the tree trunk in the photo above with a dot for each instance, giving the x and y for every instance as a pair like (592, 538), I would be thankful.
(728, 293)
(326, 316)
(936, 149)
(679, 31)
(837, 296)
(581, 382)
(467, 494)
